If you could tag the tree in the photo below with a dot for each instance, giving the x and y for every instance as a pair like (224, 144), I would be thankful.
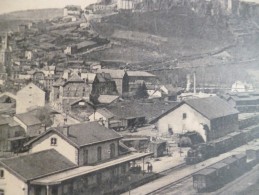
(44, 116)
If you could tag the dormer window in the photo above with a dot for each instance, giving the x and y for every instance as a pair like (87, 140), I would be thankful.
(53, 141)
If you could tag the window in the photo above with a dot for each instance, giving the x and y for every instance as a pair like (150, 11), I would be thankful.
(184, 116)
(85, 156)
(99, 153)
(112, 150)
(1, 174)
(53, 141)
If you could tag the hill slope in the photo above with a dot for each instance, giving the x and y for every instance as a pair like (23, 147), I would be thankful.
(185, 33)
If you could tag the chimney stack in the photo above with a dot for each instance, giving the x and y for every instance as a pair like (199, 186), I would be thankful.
(188, 84)
(66, 130)
(194, 82)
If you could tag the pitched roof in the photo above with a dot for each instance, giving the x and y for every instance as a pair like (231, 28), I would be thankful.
(11, 122)
(115, 74)
(107, 99)
(75, 78)
(89, 133)
(38, 164)
(106, 113)
(132, 109)
(103, 77)
(139, 74)
(59, 82)
(31, 86)
(83, 134)
(28, 119)
(211, 107)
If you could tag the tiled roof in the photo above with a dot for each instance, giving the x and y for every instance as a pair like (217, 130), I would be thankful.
(89, 133)
(211, 107)
(28, 119)
(38, 164)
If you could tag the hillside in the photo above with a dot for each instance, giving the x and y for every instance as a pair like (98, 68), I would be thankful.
(174, 33)
(11, 20)
(37, 14)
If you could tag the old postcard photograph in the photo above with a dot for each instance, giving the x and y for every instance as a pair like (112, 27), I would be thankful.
(129, 97)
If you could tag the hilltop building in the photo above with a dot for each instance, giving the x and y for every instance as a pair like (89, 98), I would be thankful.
(72, 10)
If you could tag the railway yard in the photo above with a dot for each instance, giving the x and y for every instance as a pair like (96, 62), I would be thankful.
(179, 180)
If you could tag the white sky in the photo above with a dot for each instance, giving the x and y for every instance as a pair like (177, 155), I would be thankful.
(14, 5)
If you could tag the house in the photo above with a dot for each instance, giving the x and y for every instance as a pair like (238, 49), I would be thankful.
(244, 102)
(31, 124)
(120, 77)
(10, 130)
(211, 117)
(103, 84)
(137, 78)
(18, 172)
(28, 97)
(125, 4)
(65, 92)
(72, 10)
(80, 47)
(239, 86)
(130, 114)
(71, 159)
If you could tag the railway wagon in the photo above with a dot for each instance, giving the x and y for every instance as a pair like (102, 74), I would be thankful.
(251, 133)
(237, 139)
(221, 145)
(242, 166)
(222, 172)
(204, 180)
(252, 156)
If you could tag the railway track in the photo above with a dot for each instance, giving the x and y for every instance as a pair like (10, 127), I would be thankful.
(178, 167)
(161, 190)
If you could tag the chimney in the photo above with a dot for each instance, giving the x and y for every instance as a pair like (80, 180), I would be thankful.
(188, 82)
(66, 130)
(194, 82)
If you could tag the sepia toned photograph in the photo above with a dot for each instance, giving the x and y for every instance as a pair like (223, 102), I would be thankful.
(129, 97)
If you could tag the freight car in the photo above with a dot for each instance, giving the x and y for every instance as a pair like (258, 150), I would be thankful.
(213, 148)
(219, 174)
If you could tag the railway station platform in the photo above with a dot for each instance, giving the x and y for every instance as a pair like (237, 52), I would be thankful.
(185, 172)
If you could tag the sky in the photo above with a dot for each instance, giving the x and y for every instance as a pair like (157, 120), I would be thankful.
(15, 5)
